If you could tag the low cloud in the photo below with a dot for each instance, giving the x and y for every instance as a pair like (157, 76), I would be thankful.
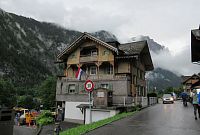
(179, 63)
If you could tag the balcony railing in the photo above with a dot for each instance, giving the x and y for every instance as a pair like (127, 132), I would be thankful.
(99, 77)
(88, 58)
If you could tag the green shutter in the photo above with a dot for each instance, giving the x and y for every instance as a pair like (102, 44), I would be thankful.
(81, 88)
(96, 86)
(66, 89)
(110, 86)
(76, 88)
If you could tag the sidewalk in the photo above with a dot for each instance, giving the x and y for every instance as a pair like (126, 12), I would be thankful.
(49, 129)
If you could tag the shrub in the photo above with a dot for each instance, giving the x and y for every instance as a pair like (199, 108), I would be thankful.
(152, 94)
(44, 118)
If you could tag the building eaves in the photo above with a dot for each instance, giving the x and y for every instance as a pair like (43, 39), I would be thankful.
(191, 77)
(82, 37)
(133, 47)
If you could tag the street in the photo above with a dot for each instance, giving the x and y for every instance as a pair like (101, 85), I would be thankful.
(161, 119)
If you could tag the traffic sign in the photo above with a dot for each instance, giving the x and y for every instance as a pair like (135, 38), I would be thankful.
(89, 85)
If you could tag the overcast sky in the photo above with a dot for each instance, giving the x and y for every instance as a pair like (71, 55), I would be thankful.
(168, 22)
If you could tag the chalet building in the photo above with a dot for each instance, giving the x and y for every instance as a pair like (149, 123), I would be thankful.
(189, 81)
(117, 70)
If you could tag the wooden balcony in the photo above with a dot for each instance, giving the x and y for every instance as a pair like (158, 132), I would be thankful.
(88, 59)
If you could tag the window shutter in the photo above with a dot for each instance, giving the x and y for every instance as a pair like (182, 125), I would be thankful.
(66, 89)
(96, 86)
(81, 88)
(76, 88)
(110, 87)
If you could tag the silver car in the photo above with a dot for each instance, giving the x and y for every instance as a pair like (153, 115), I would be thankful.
(168, 98)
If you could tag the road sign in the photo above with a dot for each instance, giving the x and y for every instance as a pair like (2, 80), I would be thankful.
(89, 85)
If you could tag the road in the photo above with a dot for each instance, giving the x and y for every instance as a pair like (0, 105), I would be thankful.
(161, 119)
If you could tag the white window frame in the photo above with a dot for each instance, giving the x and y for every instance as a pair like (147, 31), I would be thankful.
(104, 85)
(94, 52)
(93, 69)
(73, 90)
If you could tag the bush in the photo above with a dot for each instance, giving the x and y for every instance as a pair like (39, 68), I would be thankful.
(45, 118)
(152, 94)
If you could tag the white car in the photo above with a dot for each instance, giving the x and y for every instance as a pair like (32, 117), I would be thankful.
(168, 98)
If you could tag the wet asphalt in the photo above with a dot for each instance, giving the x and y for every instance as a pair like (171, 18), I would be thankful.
(160, 119)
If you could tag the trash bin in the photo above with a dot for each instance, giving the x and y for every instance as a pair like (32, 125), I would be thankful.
(6, 121)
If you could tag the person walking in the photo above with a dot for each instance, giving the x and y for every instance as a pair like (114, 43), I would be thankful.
(184, 96)
(196, 104)
(18, 118)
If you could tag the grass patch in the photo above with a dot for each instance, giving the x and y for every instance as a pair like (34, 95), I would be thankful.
(86, 128)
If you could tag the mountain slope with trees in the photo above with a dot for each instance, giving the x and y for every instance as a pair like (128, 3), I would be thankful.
(28, 50)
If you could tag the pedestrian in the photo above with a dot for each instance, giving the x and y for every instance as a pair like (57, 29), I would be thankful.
(18, 118)
(184, 96)
(196, 104)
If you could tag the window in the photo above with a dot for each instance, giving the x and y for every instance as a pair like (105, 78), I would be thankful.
(93, 70)
(72, 88)
(105, 52)
(94, 52)
(72, 56)
(104, 86)
(108, 70)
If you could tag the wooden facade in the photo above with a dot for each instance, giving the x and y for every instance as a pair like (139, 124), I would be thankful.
(117, 67)
(188, 81)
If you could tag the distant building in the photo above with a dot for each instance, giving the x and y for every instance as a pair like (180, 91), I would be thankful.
(118, 71)
(188, 81)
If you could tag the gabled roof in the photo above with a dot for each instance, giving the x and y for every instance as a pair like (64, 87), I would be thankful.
(133, 47)
(81, 39)
(196, 85)
(185, 78)
(141, 49)
(191, 77)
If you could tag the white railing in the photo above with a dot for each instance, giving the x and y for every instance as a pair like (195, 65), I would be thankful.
(144, 101)
(152, 100)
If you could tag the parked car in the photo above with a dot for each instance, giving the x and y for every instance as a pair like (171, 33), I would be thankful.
(168, 98)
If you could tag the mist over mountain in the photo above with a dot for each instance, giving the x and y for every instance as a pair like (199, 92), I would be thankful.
(28, 49)
(161, 77)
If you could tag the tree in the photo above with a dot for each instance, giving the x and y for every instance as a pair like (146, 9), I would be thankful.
(47, 92)
(7, 94)
(26, 101)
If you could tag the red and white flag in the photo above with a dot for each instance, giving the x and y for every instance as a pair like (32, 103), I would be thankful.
(79, 73)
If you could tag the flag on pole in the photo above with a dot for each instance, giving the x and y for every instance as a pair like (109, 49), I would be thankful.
(79, 73)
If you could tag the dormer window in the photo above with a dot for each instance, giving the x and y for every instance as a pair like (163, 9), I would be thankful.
(89, 51)
(94, 52)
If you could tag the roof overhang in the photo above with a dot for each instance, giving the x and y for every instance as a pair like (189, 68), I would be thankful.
(79, 41)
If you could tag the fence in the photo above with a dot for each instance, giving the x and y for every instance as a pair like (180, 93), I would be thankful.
(145, 101)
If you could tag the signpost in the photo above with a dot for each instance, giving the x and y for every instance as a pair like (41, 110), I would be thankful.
(89, 86)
